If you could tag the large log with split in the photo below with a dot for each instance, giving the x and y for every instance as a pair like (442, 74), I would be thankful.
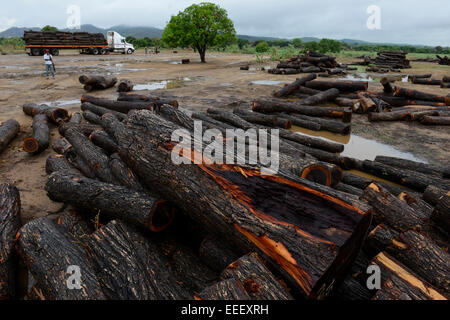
(400, 283)
(432, 169)
(268, 106)
(418, 95)
(119, 106)
(258, 281)
(411, 179)
(9, 226)
(125, 85)
(48, 252)
(56, 115)
(342, 86)
(134, 97)
(324, 96)
(311, 254)
(97, 82)
(423, 256)
(435, 121)
(129, 266)
(8, 131)
(40, 138)
(290, 88)
(118, 202)
(86, 106)
(230, 289)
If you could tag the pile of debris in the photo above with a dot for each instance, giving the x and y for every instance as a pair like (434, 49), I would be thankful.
(311, 62)
(143, 226)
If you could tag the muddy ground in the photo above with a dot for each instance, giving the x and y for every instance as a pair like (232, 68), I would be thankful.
(218, 83)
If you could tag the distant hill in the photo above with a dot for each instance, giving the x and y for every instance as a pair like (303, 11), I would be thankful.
(15, 32)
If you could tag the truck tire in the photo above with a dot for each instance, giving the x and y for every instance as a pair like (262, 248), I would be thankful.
(129, 51)
(35, 52)
(55, 52)
(103, 51)
(94, 51)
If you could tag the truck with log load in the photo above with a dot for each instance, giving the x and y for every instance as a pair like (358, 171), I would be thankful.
(88, 43)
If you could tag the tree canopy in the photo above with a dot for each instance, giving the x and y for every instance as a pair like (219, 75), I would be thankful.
(49, 28)
(201, 26)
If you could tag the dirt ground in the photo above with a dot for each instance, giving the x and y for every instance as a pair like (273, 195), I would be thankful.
(218, 83)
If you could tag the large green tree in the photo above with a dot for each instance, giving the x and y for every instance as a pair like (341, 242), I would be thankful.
(201, 26)
(49, 28)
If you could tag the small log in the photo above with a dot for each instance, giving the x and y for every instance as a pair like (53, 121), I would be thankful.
(8, 131)
(216, 254)
(420, 76)
(48, 253)
(430, 82)
(9, 226)
(100, 111)
(388, 116)
(56, 115)
(92, 117)
(296, 121)
(312, 142)
(230, 289)
(123, 174)
(101, 139)
(416, 203)
(85, 128)
(128, 96)
(362, 183)
(258, 118)
(40, 138)
(76, 117)
(433, 194)
(344, 102)
(418, 116)
(75, 225)
(347, 117)
(117, 202)
(400, 283)
(58, 163)
(342, 86)
(129, 266)
(228, 117)
(441, 213)
(349, 189)
(97, 82)
(325, 124)
(366, 104)
(267, 106)
(119, 106)
(324, 96)
(380, 238)
(125, 85)
(435, 121)
(431, 169)
(290, 88)
(418, 95)
(258, 281)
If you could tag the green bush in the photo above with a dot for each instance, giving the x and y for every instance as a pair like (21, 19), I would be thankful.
(262, 47)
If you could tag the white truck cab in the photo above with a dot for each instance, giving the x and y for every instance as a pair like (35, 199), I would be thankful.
(117, 43)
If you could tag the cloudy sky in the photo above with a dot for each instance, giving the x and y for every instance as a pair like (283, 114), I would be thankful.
(401, 21)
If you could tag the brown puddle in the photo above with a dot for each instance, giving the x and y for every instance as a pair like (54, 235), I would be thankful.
(375, 178)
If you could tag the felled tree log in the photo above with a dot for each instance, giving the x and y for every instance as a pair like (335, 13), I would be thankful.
(128, 96)
(48, 253)
(416, 203)
(441, 213)
(324, 96)
(267, 106)
(309, 141)
(347, 118)
(97, 82)
(390, 210)
(119, 106)
(129, 266)
(296, 121)
(229, 117)
(103, 140)
(342, 86)
(349, 189)
(366, 104)
(418, 116)
(216, 254)
(40, 138)
(91, 117)
(56, 115)
(399, 102)
(85, 128)
(76, 117)
(325, 124)
(424, 257)
(9, 226)
(117, 202)
(362, 183)
(433, 194)
(230, 289)
(125, 85)
(258, 281)
(388, 116)
(8, 131)
(387, 87)
(78, 163)
(123, 174)
(344, 102)
(259, 118)
(94, 156)
(290, 241)
(436, 121)
(399, 283)
(174, 115)
(58, 163)
(420, 76)
(86, 106)
(74, 224)
(418, 95)
(380, 238)
(290, 88)
(430, 82)
(431, 169)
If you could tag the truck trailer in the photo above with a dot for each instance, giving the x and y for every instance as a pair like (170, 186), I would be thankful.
(88, 43)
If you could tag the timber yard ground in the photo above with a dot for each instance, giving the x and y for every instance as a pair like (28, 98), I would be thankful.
(196, 86)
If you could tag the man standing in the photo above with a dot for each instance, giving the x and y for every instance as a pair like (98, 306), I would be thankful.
(49, 66)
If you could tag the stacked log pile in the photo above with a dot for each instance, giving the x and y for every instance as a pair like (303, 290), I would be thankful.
(64, 38)
(391, 60)
(311, 62)
(445, 61)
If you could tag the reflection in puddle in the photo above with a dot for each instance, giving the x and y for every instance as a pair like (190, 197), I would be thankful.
(165, 84)
(358, 147)
(268, 82)
(366, 77)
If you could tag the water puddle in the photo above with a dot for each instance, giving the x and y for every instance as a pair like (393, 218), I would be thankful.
(165, 84)
(175, 62)
(362, 76)
(268, 82)
(358, 147)
(375, 178)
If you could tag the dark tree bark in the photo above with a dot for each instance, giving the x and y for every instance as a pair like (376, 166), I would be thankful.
(129, 96)
(250, 219)
(75, 225)
(40, 138)
(380, 238)
(92, 117)
(324, 96)
(125, 85)
(296, 121)
(325, 124)
(216, 254)
(48, 253)
(117, 202)
(123, 174)
(9, 226)
(76, 117)
(100, 111)
(119, 106)
(59, 163)
(435, 121)
(430, 169)
(441, 213)
(388, 116)
(56, 115)
(418, 95)
(129, 266)
(258, 281)
(97, 82)
(230, 289)
(312, 142)
(85, 128)
(101, 139)
(8, 131)
(290, 88)
(342, 86)
(268, 106)
(387, 87)
(433, 194)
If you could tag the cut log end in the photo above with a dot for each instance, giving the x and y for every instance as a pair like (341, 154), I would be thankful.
(162, 216)
(30, 145)
(317, 173)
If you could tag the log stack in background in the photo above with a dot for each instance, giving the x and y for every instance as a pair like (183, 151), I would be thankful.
(64, 38)
(311, 62)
